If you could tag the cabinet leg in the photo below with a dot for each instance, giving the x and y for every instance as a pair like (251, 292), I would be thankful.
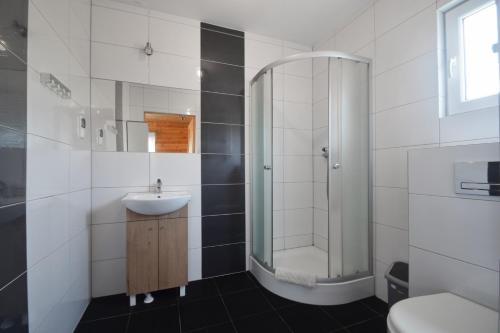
(182, 291)
(132, 300)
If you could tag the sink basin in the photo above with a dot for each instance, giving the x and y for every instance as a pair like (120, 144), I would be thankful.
(156, 203)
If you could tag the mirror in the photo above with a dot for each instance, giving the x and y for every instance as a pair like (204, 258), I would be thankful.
(136, 117)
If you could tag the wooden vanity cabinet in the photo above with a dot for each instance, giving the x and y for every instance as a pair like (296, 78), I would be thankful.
(156, 252)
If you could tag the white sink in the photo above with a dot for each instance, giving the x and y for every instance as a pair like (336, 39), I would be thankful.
(156, 203)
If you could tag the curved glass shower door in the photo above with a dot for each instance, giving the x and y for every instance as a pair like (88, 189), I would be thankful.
(261, 168)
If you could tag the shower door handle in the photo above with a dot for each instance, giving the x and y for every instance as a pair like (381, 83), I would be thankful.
(336, 166)
(267, 167)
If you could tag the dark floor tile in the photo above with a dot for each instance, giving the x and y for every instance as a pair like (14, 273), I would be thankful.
(309, 318)
(202, 313)
(234, 283)
(162, 299)
(351, 313)
(110, 325)
(376, 304)
(224, 328)
(276, 301)
(246, 303)
(377, 325)
(107, 306)
(200, 289)
(268, 322)
(159, 320)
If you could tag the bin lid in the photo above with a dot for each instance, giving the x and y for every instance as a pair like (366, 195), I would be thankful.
(398, 273)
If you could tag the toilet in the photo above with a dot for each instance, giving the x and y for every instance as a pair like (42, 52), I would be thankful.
(441, 313)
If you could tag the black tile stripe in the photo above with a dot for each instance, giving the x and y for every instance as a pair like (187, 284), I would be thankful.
(212, 27)
(13, 119)
(222, 149)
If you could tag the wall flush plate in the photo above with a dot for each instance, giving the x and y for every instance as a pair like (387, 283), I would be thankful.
(477, 178)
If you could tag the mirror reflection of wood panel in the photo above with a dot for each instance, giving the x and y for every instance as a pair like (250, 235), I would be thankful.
(173, 133)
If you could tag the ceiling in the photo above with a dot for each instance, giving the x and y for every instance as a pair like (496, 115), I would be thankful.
(300, 21)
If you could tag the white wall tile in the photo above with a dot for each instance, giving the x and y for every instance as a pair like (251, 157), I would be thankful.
(119, 27)
(320, 140)
(358, 33)
(194, 264)
(175, 169)
(464, 229)
(116, 169)
(409, 125)
(175, 38)
(391, 167)
(474, 125)
(298, 241)
(297, 115)
(321, 222)
(411, 82)
(298, 168)
(47, 283)
(109, 277)
(174, 71)
(80, 208)
(395, 47)
(107, 206)
(119, 63)
(432, 273)
(298, 222)
(297, 89)
(47, 227)
(320, 197)
(278, 229)
(298, 195)
(320, 169)
(80, 169)
(320, 114)
(391, 207)
(258, 54)
(297, 142)
(380, 281)
(47, 167)
(391, 244)
(390, 13)
(194, 232)
(300, 68)
(109, 241)
(278, 196)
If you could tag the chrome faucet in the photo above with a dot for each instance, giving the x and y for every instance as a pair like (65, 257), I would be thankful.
(158, 185)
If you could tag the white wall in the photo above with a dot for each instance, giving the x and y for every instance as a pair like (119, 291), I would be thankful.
(292, 138)
(114, 174)
(454, 239)
(119, 34)
(58, 166)
(401, 38)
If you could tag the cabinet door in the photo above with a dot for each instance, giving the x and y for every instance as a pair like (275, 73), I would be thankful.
(142, 254)
(173, 253)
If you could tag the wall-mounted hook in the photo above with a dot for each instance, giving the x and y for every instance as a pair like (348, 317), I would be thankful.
(148, 49)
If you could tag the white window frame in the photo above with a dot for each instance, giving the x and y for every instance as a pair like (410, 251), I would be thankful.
(454, 59)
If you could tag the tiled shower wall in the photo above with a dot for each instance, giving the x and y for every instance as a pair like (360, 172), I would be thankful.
(292, 138)
(401, 38)
(58, 166)
(13, 71)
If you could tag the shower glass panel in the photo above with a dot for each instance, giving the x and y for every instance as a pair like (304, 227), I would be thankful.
(261, 168)
(349, 168)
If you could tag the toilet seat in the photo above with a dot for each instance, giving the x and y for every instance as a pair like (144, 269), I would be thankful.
(441, 313)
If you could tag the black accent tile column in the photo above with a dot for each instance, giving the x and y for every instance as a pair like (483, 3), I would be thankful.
(222, 150)
(13, 119)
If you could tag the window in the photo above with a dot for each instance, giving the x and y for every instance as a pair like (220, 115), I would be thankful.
(471, 43)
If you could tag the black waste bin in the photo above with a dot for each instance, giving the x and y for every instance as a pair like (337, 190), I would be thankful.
(397, 282)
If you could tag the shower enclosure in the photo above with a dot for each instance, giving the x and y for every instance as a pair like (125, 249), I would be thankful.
(310, 177)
